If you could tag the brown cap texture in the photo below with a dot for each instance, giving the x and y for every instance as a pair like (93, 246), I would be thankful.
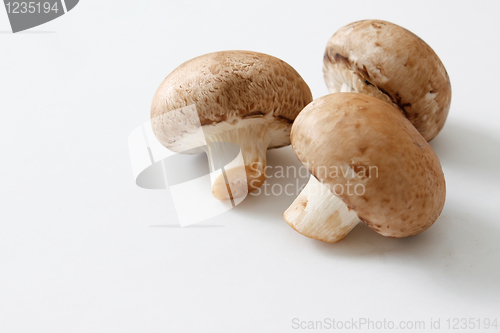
(384, 60)
(228, 86)
(354, 138)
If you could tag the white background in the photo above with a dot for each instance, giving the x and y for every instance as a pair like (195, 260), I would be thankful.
(83, 249)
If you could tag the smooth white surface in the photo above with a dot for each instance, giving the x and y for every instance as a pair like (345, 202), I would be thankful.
(82, 249)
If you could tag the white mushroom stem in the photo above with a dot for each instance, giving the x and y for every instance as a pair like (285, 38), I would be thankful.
(242, 173)
(317, 213)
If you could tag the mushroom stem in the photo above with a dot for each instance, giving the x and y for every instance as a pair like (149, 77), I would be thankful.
(243, 173)
(317, 213)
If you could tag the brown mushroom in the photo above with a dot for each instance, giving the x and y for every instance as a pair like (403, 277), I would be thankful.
(384, 60)
(246, 98)
(368, 164)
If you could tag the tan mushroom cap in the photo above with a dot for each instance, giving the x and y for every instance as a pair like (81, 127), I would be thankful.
(384, 60)
(366, 142)
(228, 85)
(247, 98)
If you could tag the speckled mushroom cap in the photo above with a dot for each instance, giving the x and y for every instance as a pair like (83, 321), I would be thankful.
(246, 98)
(384, 60)
(229, 86)
(363, 140)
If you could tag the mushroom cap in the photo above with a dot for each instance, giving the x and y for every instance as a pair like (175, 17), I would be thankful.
(226, 87)
(354, 138)
(384, 60)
